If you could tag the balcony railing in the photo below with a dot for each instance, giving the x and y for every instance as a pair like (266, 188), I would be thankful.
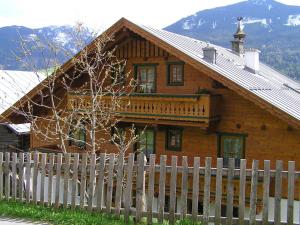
(201, 108)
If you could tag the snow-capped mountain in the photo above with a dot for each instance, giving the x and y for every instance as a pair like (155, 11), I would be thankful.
(12, 38)
(271, 26)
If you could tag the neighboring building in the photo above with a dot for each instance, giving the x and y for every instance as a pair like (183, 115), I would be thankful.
(198, 99)
(13, 86)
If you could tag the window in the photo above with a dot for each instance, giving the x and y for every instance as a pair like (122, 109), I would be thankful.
(175, 73)
(117, 135)
(146, 142)
(78, 135)
(146, 78)
(174, 139)
(231, 146)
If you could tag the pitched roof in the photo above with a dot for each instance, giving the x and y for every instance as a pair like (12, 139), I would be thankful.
(13, 86)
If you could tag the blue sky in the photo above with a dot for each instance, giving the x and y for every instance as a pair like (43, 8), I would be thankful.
(100, 14)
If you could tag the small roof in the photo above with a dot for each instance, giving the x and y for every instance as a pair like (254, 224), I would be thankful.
(13, 86)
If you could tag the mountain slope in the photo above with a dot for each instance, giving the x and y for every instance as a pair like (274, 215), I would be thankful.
(272, 27)
(12, 38)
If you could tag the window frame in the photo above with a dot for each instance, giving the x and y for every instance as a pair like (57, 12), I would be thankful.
(137, 144)
(221, 135)
(136, 67)
(78, 143)
(167, 139)
(169, 82)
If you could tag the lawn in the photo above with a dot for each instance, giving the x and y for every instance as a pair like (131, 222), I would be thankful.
(60, 216)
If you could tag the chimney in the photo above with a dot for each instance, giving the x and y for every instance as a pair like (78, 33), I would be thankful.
(239, 37)
(210, 54)
(252, 60)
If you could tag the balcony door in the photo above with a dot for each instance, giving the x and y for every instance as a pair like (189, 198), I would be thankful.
(146, 78)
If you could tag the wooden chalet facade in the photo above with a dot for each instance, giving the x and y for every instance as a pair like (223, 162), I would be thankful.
(197, 106)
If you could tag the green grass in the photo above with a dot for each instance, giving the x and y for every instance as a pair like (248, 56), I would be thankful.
(61, 216)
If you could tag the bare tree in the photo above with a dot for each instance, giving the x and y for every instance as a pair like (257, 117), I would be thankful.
(85, 96)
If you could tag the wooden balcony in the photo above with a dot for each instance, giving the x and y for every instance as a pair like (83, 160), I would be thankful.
(197, 109)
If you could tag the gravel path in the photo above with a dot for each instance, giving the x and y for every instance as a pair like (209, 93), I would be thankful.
(17, 221)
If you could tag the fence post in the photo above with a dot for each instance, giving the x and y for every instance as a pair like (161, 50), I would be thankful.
(100, 185)
(21, 176)
(57, 180)
(128, 191)
(119, 186)
(195, 194)
(14, 176)
(83, 179)
(50, 178)
(74, 180)
(218, 201)
(151, 181)
(110, 182)
(206, 199)
(184, 187)
(140, 187)
(7, 177)
(35, 176)
(266, 187)
(66, 179)
(253, 195)
(91, 181)
(229, 205)
(278, 185)
(43, 175)
(173, 181)
(291, 191)
(161, 196)
(242, 191)
(27, 176)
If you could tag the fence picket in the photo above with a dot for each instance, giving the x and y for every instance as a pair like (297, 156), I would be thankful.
(27, 176)
(7, 176)
(266, 187)
(35, 177)
(74, 180)
(151, 181)
(218, 200)
(253, 194)
(128, 190)
(173, 181)
(206, 199)
(195, 194)
(291, 189)
(119, 186)
(1, 175)
(140, 187)
(229, 205)
(43, 175)
(100, 186)
(110, 182)
(50, 178)
(161, 195)
(83, 180)
(242, 191)
(278, 185)
(21, 176)
(14, 176)
(66, 179)
(184, 187)
(57, 180)
(91, 182)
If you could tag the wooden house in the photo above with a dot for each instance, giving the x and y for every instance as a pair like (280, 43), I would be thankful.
(199, 99)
